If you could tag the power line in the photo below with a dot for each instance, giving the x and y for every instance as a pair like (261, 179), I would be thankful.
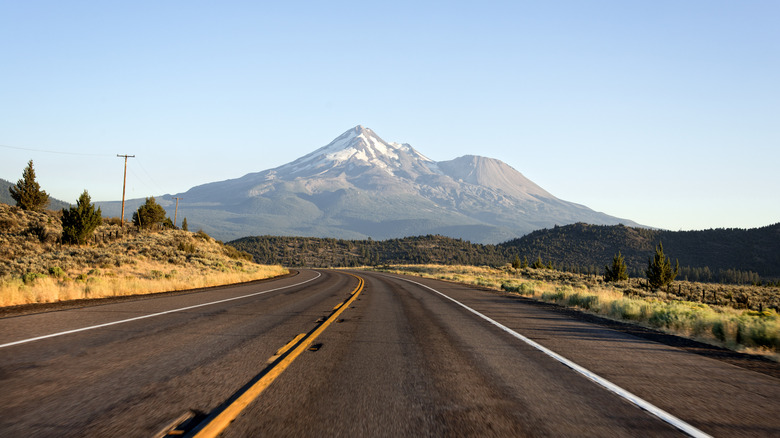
(53, 152)
(148, 175)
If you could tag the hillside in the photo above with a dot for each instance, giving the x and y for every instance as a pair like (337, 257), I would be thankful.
(317, 252)
(5, 197)
(35, 268)
(756, 250)
(578, 247)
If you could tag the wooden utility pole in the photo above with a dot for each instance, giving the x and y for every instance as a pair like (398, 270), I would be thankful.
(176, 210)
(124, 185)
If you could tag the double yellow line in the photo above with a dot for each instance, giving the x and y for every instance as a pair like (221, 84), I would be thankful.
(213, 426)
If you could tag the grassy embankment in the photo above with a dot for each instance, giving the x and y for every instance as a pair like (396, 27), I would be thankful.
(34, 268)
(745, 330)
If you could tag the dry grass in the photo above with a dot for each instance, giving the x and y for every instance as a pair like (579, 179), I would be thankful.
(739, 329)
(35, 268)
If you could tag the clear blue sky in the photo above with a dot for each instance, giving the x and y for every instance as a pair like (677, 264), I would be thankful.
(663, 112)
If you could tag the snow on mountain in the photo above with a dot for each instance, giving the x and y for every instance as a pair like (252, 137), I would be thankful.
(360, 186)
(358, 146)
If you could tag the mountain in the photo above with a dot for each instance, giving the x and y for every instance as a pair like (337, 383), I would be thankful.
(5, 197)
(360, 186)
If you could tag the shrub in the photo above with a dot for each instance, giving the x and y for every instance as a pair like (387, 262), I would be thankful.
(185, 246)
(56, 271)
(39, 231)
(236, 254)
(79, 222)
(626, 309)
(30, 277)
(149, 215)
(585, 301)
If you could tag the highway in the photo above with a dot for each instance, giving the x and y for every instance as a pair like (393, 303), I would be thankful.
(404, 357)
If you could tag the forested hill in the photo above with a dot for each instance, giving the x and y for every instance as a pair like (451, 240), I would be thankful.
(730, 255)
(756, 249)
(324, 252)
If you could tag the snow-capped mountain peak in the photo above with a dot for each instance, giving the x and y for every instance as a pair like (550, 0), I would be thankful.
(359, 185)
(359, 146)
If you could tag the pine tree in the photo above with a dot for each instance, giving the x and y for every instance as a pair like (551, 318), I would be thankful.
(619, 271)
(79, 222)
(27, 192)
(149, 215)
(659, 269)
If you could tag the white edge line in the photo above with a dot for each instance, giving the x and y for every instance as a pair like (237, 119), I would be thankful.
(67, 332)
(632, 398)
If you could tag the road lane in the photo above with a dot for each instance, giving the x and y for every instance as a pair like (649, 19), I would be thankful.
(408, 363)
(713, 395)
(132, 379)
(45, 325)
(400, 361)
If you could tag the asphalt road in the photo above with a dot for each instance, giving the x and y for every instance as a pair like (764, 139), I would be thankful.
(402, 360)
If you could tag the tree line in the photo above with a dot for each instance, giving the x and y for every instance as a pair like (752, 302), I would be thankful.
(434, 249)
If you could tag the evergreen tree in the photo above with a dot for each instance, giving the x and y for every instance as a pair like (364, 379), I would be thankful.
(184, 224)
(516, 263)
(538, 264)
(149, 215)
(619, 271)
(659, 269)
(27, 192)
(79, 222)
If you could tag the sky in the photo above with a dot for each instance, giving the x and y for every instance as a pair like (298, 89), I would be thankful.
(666, 113)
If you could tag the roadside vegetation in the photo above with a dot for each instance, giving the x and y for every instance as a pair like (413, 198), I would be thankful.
(37, 267)
(729, 323)
(49, 256)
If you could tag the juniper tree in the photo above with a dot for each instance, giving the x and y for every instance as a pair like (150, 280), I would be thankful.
(27, 192)
(79, 222)
(618, 271)
(659, 269)
(149, 215)
(184, 224)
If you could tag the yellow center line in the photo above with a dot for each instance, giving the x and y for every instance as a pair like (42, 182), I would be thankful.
(216, 425)
(280, 352)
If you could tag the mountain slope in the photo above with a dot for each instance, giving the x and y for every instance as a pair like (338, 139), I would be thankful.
(5, 197)
(361, 186)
